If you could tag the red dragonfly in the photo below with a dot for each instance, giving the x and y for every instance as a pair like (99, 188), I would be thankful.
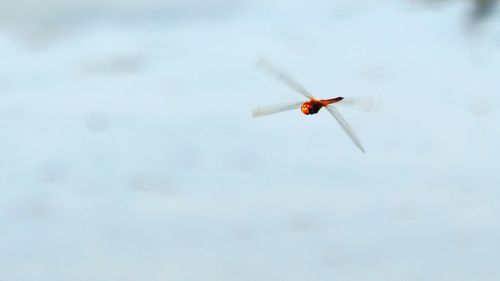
(310, 107)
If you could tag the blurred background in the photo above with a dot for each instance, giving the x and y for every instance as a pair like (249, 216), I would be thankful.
(128, 150)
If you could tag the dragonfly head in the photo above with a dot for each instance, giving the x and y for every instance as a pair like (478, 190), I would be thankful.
(306, 108)
(311, 107)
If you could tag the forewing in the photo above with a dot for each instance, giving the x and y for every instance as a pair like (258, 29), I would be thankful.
(345, 126)
(264, 111)
(283, 77)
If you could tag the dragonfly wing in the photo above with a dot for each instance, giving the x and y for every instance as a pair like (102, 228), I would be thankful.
(264, 111)
(368, 104)
(283, 77)
(345, 126)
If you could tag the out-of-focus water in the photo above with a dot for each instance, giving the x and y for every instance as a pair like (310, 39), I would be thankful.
(128, 150)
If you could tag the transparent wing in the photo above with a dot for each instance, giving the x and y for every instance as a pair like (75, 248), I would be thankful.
(367, 104)
(280, 75)
(264, 111)
(345, 126)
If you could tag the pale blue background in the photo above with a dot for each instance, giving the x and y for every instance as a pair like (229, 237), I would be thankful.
(128, 151)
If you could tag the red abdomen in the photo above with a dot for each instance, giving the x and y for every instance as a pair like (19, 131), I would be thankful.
(330, 101)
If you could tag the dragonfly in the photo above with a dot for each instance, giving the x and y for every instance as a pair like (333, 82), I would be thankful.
(310, 107)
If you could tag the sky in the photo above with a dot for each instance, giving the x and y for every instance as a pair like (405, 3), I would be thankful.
(129, 151)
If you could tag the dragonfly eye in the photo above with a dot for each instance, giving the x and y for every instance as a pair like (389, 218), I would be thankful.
(305, 109)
